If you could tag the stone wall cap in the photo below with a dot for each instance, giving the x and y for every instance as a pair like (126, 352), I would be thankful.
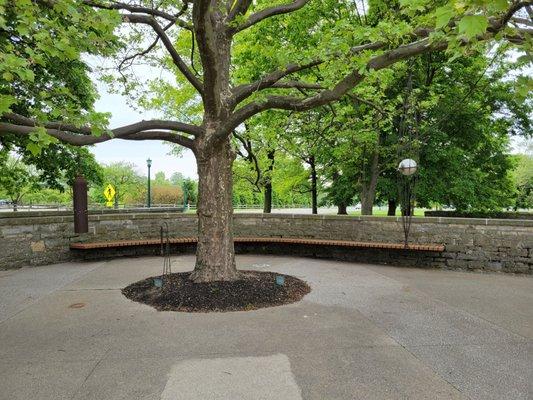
(396, 219)
(43, 217)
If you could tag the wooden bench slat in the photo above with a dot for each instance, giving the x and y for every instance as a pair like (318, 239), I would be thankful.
(320, 242)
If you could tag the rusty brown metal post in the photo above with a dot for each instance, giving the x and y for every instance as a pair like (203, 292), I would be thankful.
(81, 215)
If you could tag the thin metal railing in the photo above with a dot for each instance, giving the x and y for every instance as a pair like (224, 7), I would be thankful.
(165, 249)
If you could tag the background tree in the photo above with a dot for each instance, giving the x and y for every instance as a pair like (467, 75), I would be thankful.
(128, 183)
(167, 195)
(523, 178)
(17, 180)
(189, 187)
(257, 145)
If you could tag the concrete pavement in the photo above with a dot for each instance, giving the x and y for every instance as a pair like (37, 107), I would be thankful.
(364, 332)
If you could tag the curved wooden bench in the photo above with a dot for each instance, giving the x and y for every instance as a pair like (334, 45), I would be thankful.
(282, 240)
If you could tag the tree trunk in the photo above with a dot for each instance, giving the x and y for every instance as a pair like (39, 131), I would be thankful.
(342, 209)
(215, 254)
(314, 193)
(15, 205)
(391, 212)
(407, 210)
(368, 188)
(267, 207)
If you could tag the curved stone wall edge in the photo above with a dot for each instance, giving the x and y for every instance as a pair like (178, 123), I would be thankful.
(28, 238)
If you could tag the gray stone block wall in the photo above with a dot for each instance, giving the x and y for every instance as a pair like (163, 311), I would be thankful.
(474, 244)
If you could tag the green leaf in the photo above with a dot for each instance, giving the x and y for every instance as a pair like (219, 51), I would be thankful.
(444, 15)
(33, 148)
(8, 76)
(26, 74)
(499, 5)
(473, 25)
(6, 102)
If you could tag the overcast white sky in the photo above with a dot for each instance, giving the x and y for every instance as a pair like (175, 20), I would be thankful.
(137, 152)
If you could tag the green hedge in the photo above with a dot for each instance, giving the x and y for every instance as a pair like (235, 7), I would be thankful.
(480, 214)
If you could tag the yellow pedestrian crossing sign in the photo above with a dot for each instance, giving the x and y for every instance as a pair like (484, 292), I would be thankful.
(109, 194)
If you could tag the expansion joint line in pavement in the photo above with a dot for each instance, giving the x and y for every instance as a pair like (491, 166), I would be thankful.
(90, 373)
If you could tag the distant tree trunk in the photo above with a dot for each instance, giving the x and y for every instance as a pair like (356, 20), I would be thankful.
(215, 253)
(406, 210)
(314, 192)
(392, 207)
(368, 188)
(342, 209)
(267, 207)
(341, 204)
(15, 205)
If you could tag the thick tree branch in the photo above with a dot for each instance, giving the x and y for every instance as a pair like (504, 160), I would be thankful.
(136, 127)
(165, 136)
(176, 58)
(297, 85)
(339, 90)
(242, 92)
(497, 24)
(522, 21)
(130, 132)
(251, 157)
(270, 12)
(354, 78)
(81, 136)
(144, 10)
(238, 7)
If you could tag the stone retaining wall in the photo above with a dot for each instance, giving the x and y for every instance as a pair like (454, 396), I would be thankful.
(36, 238)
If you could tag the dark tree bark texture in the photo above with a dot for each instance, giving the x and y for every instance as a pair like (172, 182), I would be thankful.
(314, 190)
(368, 186)
(392, 205)
(215, 255)
(342, 209)
(267, 206)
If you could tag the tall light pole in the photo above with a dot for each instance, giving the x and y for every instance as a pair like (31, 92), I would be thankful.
(149, 164)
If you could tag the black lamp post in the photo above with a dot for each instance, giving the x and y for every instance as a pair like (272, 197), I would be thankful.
(149, 164)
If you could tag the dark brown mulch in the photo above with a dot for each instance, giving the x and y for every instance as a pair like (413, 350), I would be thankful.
(254, 290)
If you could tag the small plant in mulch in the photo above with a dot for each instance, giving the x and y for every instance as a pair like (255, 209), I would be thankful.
(254, 290)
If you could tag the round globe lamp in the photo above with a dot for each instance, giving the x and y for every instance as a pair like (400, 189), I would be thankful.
(408, 167)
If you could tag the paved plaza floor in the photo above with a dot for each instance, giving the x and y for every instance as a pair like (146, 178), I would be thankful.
(364, 332)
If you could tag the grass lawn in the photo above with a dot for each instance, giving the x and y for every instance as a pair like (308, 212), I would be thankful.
(382, 212)
(377, 211)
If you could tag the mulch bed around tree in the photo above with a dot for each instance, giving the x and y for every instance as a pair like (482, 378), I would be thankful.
(254, 290)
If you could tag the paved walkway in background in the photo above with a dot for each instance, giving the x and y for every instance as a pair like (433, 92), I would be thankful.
(364, 332)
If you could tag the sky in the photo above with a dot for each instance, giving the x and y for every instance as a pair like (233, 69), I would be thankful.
(137, 152)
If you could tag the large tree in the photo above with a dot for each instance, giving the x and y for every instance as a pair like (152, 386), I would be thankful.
(346, 53)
